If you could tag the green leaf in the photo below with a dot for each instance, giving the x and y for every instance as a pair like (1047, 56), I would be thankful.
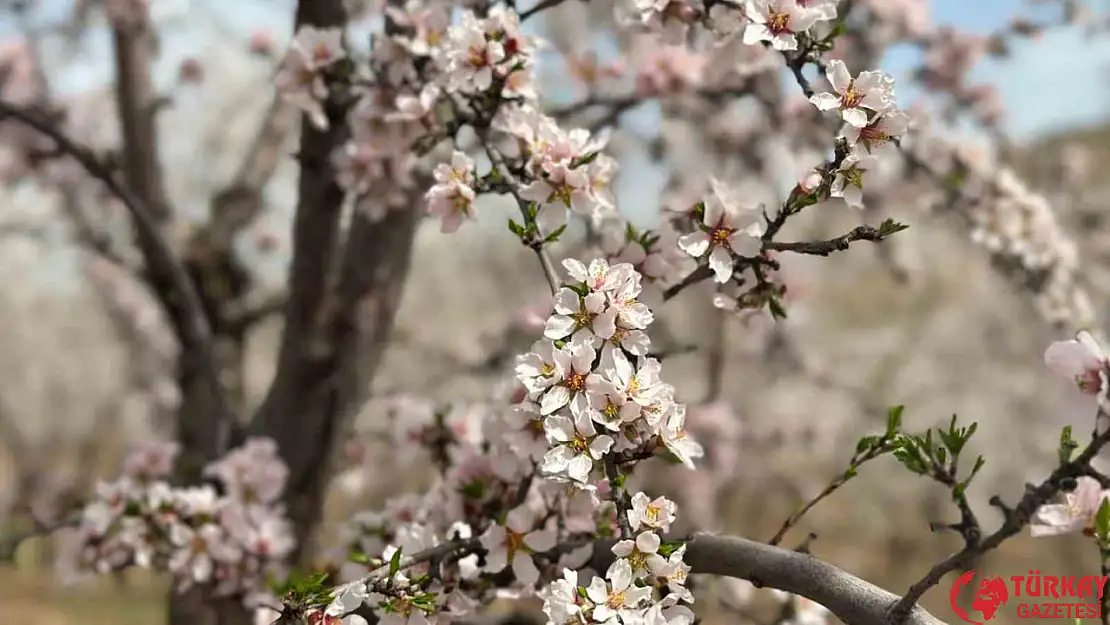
(516, 228)
(669, 547)
(866, 443)
(395, 563)
(1067, 445)
(630, 233)
(894, 419)
(474, 489)
(554, 236)
(360, 558)
(889, 227)
(979, 462)
(778, 311)
(585, 159)
(1102, 521)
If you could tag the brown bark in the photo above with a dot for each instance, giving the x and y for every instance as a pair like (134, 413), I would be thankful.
(324, 381)
(338, 316)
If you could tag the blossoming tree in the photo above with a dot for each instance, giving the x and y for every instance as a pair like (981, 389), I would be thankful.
(442, 108)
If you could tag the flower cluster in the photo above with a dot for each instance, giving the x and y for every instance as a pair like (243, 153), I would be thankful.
(592, 381)
(589, 404)
(872, 119)
(229, 535)
(301, 77)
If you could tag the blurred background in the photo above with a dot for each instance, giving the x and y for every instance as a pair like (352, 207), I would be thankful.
(927, 322)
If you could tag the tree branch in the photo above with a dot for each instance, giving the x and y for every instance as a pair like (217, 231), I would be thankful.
(1016, 518)
(137, 109)
(168, 275)
(851, 599)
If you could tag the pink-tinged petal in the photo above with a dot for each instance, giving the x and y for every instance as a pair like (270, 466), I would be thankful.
(695, 244)
(525, 570)
(538, 191)
(720, 261)
(755, 33)
(744, 244)
(1054, 520)
(551, 217)
(594, 302)
(648, 542)
(876, 101)
(605, 324)
(493, 537)
(496, 560)
(558, 326)
(825, 101)
(576, 269)
(855, 117)
(554, 399)
(1069, 359)
(579, 468)
(839, 76)
(541, 540)
(601, 446)
(582, 358)
(1086, 340)
(566, 302)
(1087, 495)
(519, 520)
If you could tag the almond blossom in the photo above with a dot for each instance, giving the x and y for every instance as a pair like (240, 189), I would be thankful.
(619, 597)
(1080, 360)
(657, 514)
(882, 129)
(778, 21)
(562, 602)
(513, 543)
(588, 318)
(848, 180)
(728, 228)
(300, 78)
(574, 366)
(641, 553)
(452, 197)
(577, 447)
(853, 97)
(1076, 513)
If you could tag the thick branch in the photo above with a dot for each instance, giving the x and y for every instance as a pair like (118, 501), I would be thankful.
(851, 599)
(136, 106)
(333, 338)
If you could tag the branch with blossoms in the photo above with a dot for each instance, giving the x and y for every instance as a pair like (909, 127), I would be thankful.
(536, 495)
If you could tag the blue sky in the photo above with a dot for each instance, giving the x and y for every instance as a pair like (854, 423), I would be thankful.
(1061, 80)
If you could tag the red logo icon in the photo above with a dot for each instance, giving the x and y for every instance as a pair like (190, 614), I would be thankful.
(989, 596)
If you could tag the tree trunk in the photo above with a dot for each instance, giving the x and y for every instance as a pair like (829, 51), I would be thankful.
(312, 402)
